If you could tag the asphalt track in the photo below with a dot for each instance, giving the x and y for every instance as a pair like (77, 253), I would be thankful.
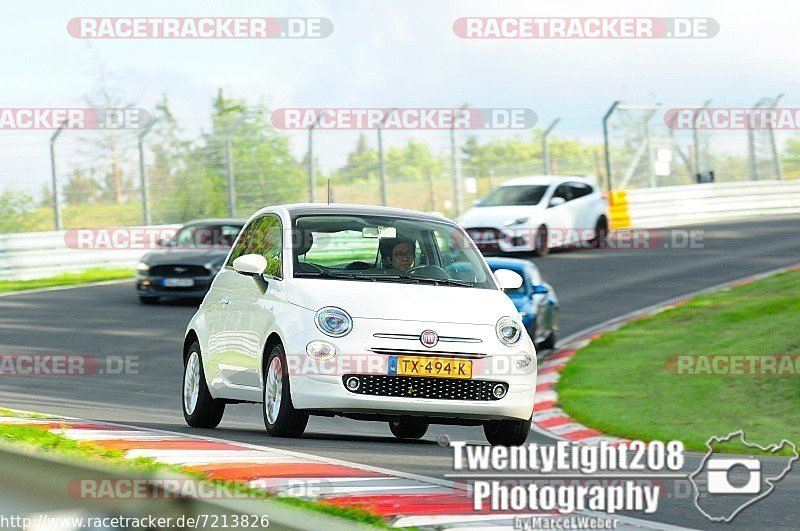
(593, 286)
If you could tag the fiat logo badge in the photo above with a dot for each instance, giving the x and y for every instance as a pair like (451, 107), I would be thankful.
(429, 338)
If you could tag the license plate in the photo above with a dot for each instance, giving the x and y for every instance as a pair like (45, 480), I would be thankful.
(424, 366)
(177, 282)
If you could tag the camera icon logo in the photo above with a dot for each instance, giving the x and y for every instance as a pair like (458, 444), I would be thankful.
(719, 480)
(727, 482)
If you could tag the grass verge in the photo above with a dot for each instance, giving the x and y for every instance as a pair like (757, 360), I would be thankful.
(66, 279)
(620, 383)
(42, 440)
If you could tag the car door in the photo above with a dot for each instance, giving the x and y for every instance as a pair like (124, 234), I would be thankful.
(581, 206)
(223, 331)
(252, 309)
(560, 218)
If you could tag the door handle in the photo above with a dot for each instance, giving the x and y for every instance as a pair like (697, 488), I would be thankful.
(224, 300)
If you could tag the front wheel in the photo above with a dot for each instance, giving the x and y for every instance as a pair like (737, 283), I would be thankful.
(507, 432)
(200, 409)
(280, 417)
(541, 242)
(408, 429)
(147, 300)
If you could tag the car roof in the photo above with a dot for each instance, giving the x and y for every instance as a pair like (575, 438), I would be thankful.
(300, 209)
(217, 221)
(546, 180)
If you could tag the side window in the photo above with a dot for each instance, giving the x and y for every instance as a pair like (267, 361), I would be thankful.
(263, 236)
(580, 190)
(242, 245)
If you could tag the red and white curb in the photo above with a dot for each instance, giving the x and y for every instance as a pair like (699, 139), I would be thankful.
(549, 419)
(402, 499)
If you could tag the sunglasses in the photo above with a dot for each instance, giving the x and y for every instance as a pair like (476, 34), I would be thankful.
(400, 256)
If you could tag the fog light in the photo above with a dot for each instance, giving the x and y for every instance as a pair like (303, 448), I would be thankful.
(353, 383)
(499, 391)
(320, 350)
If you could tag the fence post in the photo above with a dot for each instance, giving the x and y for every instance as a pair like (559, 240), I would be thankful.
(776, 158)
(143, 173)
(54, 175)
(457, 195)
(605, 142)
(381, 162)
(696, 137)
(229, 168)
(546, 167)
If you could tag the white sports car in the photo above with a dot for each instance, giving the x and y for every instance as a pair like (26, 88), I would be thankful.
(365, 312)
(538, 214)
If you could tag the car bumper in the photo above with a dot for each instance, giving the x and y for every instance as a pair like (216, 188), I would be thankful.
(503, 240)
(149, 286)
(328, 394)
(320, 385)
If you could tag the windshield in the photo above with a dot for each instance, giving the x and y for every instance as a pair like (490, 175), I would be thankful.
(206, 235)
(514, 195)
(386, 249)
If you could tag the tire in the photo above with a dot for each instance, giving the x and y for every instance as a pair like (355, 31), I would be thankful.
(507, 432)
(280, 417)
(200, 409)
(541, 243)
(148, 300)
(600, 234)
(549, 343)
(408, 429)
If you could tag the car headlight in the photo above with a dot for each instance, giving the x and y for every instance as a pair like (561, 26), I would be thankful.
(214, 268)
(333, 321)
(142, 267)
(508, 330)
(518, 221)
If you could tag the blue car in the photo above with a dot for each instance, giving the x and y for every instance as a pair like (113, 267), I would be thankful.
(535, 300)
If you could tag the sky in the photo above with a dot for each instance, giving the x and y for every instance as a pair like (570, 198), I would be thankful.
(388, 53)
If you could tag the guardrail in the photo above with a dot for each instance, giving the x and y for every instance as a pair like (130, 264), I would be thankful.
(41, 488)
(38, 254)
(676, 205)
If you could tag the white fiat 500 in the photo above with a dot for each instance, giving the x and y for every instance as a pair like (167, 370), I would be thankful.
(365, 312)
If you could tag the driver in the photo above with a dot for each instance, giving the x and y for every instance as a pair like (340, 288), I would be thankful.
(399, 253)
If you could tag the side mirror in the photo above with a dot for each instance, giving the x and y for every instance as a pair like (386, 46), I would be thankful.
(556, 201)
(476, 202)
(507, 279)
(539, 289)
(164, 242)
(250, 264)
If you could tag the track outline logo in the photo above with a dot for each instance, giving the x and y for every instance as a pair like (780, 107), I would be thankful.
(771, 481)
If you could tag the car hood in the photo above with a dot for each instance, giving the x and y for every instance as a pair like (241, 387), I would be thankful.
(403, 302)
(185, 256)
(497, 216)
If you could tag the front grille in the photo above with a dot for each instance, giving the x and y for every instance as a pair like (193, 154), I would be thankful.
(419, 387)
(179, 270)
(435, 353)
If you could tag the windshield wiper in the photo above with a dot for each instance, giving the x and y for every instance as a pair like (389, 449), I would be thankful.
(354, 276)
(447, 281)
